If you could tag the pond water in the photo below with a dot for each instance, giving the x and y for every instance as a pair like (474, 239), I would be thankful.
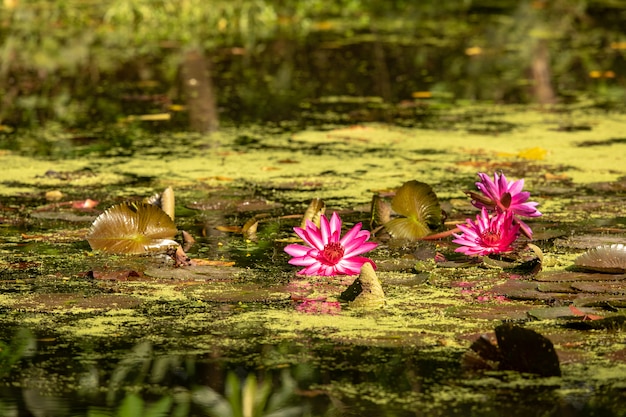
(238, 332)
(88, 333)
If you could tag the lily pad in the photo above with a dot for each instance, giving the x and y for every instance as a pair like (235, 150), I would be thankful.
(556, 287)
(525, 350)
(132, 228)
(605, 258)
(419, 204)
(553, 313)
(518, 349)
(525, 290)
(600, 287)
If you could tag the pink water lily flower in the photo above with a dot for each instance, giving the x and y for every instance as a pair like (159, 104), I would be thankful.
(327, 253)
(505, 196)
(488, 235)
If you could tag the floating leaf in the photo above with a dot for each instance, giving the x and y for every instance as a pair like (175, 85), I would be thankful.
(316, 208)
(250, 227)
(585, 316)
(129, 228)
(168, 203)
(525, 350)
(418, 202)
(165, 200)
(381, 211)
(229, 229)
(519, 349)
(605, 258)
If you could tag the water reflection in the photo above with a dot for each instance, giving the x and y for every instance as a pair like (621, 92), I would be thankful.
(337, 380)
(143, 382)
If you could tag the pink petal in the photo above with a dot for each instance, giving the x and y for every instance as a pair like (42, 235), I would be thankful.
(365, 247)
(516, 186)
(354, 264)
(297, 250)
(352, 233)
(303, 261)
(311, 235)
(335, 228)
(311, 269)
(325, 231)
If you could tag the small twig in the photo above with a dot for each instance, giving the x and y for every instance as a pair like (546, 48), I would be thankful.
(441, 235)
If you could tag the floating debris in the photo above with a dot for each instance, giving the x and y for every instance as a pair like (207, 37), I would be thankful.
(605, 258)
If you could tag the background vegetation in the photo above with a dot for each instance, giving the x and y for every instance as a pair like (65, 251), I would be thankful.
(84, 62)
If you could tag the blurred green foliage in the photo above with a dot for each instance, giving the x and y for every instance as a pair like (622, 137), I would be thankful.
(83, 62)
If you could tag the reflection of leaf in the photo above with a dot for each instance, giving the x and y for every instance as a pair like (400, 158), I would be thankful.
(418, 202)
(132, 228)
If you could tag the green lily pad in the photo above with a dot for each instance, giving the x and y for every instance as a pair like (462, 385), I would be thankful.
(419, 204)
